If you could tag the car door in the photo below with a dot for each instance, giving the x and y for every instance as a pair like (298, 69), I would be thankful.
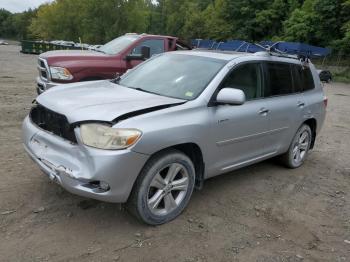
(285, 103)
(238, 132)
(156, 47)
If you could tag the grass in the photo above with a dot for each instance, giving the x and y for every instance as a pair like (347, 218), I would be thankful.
(341, 75)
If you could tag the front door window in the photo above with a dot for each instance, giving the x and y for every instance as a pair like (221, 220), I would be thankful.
(156, 46)
(248, 78)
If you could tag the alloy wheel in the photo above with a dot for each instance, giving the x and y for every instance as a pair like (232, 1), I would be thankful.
(301, 146)
(168, 189)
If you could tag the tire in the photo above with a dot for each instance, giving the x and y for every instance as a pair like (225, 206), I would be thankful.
(299, 148)
(163, 188)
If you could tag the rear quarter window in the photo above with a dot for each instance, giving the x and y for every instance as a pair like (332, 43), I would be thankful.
(303, 79)
(278, 79)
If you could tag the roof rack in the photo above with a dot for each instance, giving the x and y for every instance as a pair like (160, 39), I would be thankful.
(300, 51)
(272, 50)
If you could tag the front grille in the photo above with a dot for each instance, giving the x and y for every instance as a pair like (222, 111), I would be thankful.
(52, 122)
(43, 74)
(43, 69)
(41, 63)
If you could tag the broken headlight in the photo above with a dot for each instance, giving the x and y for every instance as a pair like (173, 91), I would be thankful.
(106, 137)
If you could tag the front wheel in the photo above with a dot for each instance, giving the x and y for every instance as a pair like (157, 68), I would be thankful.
(163, 188)
(299, 148)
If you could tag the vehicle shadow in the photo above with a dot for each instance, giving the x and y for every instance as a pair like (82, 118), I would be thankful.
(231, 185)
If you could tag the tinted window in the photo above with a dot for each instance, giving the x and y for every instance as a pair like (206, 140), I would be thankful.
(304, 80)
(297, 82)
(246, 77)
(279, 79)
(174, 75)
(156, 46)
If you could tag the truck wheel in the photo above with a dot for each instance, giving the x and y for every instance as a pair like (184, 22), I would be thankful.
(163, 188)
(299, 148)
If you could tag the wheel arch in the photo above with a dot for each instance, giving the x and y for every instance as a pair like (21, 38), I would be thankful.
(312, 123)
(194, 152)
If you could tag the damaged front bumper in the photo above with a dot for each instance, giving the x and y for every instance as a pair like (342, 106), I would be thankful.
(106, 175)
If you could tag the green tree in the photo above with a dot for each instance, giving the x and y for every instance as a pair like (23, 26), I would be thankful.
(343, 43)
(94, 21)
(318, 22)
(6, 24)
(299, 27)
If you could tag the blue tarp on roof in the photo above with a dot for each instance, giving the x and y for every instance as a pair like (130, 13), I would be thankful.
(231, 45)
(203, 43)
(295, 48)
(292, 48)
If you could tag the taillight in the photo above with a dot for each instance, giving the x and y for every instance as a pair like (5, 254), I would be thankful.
(325, 101)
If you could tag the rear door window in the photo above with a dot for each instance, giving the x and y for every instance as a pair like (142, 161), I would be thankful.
(247, 77)
(278, 79)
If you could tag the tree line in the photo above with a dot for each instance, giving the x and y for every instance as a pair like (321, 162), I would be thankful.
(317, 22)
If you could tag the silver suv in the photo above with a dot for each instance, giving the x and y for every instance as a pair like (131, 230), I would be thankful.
(149, 138)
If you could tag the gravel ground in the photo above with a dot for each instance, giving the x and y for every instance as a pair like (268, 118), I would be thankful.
(261, 213)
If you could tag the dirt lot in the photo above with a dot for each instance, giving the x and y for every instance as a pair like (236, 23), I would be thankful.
(261, 213)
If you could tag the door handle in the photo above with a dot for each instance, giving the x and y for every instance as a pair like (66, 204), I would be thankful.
(300, 104)
(263, 111)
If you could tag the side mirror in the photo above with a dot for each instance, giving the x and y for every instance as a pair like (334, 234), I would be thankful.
(145, 54)
(231, 96)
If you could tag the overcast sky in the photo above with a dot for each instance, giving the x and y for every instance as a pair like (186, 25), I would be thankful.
(16, 6)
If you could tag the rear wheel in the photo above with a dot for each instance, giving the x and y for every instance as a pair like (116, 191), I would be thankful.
(163, 189)
(299, 148)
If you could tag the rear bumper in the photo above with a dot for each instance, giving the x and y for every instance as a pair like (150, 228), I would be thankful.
(42, 86)
(77, 167)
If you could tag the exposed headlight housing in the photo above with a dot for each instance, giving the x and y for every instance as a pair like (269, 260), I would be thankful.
(60, 73)
(105, 137)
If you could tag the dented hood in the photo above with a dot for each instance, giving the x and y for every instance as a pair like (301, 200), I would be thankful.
(99, 100)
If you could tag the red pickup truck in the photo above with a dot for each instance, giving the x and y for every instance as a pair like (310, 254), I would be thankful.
(106, 62)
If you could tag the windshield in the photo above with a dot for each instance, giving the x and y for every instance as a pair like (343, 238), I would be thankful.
(117, 45)
(174, 75)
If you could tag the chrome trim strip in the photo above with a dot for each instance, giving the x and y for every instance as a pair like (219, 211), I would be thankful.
(46, 69)
(43, 85)
(41, 69)
(248, 161)
(248, 137)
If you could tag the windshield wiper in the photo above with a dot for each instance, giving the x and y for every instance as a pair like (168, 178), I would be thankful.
(116, 79)
(98, 50)
(143, 90)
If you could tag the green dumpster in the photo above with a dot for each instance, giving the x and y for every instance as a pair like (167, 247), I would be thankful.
(38, 47)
